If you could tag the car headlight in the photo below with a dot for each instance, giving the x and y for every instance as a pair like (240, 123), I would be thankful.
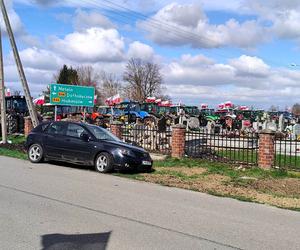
(125, 152)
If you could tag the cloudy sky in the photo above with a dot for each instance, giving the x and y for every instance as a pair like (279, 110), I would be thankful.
(210, 51)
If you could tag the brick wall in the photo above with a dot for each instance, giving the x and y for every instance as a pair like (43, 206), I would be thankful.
(117, 130)
(178, 141)
(266, 151)
(27, 126)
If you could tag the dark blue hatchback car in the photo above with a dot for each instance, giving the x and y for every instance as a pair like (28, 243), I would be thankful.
(84, 144)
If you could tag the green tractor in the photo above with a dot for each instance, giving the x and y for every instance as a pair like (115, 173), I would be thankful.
(16, 110)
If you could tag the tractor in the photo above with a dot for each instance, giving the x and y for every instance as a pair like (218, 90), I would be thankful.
(187, 115)
(133, 112)
(159, 111)
(16, 110)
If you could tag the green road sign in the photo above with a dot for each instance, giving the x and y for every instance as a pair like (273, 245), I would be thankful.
(70, 95)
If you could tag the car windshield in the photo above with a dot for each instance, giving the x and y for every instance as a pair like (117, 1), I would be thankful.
(102, 134)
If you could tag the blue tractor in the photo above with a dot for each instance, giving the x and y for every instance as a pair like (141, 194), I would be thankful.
(133, 111)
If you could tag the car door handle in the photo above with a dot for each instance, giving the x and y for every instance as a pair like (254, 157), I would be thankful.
(68, 139)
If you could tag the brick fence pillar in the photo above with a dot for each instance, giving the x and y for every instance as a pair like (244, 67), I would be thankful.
(178, 140)
(116, 128)
(27, 125)
(266, 153)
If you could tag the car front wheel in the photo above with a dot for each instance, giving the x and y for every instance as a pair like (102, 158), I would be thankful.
(104, 163)
(35, 153)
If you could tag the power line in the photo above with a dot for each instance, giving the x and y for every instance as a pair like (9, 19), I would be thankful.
(180, 33)
(130, 14)
(158, 24)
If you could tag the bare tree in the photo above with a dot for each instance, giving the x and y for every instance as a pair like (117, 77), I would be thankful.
(144, 79)
(273, 108)
(88, 77)
(109, 85)
(296, 109)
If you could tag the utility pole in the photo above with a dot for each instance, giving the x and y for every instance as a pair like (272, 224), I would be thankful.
(2, 97)
(31, 108)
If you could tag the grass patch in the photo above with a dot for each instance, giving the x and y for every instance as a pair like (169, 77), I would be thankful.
(16, 139)
(13, 153)
(14, 149)
(274, 187)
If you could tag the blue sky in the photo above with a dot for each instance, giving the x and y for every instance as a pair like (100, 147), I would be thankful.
(209, 51)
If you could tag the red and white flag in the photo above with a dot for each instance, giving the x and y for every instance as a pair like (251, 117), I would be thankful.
(228, 104)
(221, 106)
(40, 100)
(7, 92)
(166, 104)
(151, 99)
(204, 106)
(113, 100)
(244, 108)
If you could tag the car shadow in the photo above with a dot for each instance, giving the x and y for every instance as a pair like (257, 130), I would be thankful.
(96, 241)
(91, 168)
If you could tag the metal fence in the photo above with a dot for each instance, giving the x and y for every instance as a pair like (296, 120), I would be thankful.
(226, 147)
(150, 139)
(287, 153)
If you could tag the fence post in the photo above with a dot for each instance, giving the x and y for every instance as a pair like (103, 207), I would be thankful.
(116, 128)
(178, 141)
(27, 125)
(266, 152)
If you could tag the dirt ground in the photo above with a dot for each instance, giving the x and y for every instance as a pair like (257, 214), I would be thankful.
(283, 192)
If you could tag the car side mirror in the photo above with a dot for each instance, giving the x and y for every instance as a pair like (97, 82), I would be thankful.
(85, 137)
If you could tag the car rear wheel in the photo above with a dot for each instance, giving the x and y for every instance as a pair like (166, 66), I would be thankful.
(104, 163)
(35, 153)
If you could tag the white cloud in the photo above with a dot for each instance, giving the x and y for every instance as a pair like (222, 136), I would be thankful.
(40, 59)
(243, 80)
(179, 25)
(84, 20)
(250, 66)
(93, 45)
(140, 50)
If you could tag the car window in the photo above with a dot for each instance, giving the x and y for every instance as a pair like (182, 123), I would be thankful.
(102, 134)
(75, 130)
(57, 129)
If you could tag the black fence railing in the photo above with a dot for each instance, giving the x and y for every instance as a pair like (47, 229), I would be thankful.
(150, 139)
(225, 146)
(287, 154)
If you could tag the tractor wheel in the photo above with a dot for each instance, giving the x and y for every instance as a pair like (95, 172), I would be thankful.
(150, 121)
(12, 123)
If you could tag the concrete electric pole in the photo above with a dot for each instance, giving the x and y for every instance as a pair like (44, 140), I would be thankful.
(2, 96)
(31, 108)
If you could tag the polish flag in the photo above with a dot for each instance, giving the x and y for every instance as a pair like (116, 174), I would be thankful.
(228, 104)
(40, 100)
(151, 99)
(7, 92)
(244, 108)
(221, 106)
(113, 100)
(204, 106)
(166, 104)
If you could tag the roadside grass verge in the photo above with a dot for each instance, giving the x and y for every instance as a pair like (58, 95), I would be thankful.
(274, 187)
(14, 149)
(13, 153)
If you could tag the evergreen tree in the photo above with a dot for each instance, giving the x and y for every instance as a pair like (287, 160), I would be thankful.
(67, 76)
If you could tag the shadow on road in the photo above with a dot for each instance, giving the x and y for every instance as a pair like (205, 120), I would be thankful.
(97, 241)
(91, 168)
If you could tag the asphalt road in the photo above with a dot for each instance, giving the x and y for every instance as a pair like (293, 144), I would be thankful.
(56, 207)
